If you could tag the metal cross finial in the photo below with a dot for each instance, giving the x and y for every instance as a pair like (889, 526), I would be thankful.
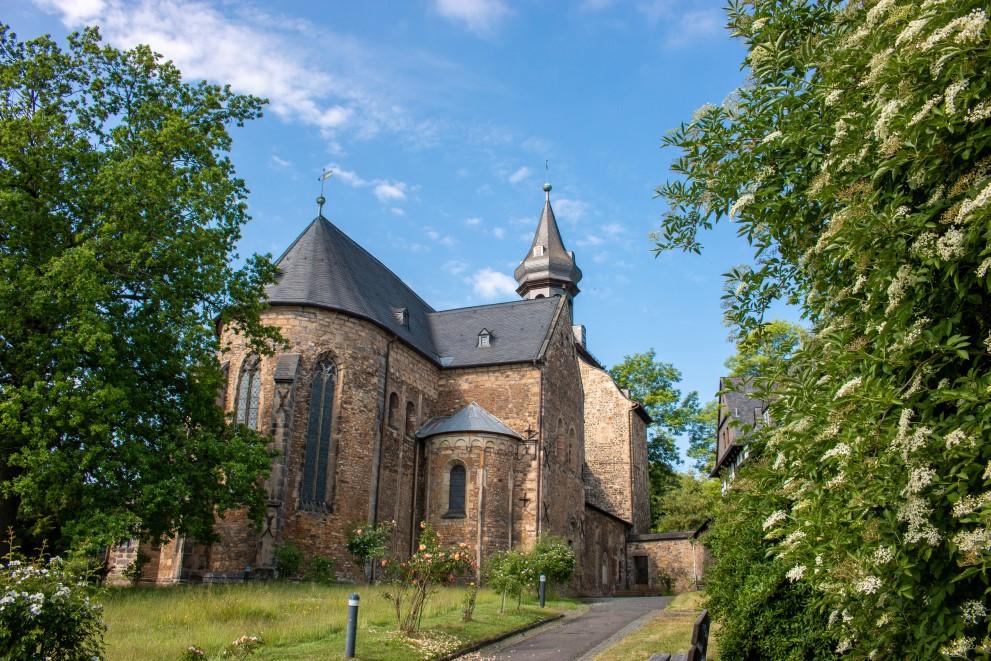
(324, 176)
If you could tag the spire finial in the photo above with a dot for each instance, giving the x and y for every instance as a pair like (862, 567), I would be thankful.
(321, 200)
(547, 186)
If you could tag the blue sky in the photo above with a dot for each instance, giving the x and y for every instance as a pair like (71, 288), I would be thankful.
(438, 117)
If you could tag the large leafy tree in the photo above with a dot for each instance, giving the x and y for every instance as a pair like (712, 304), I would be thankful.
(119, 215)
(765, 348)
(701, 431)
(857, 162)
(688, 505)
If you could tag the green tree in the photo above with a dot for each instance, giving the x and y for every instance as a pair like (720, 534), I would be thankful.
(857, 162)
(119, 216)
(687, 506)
(701, 430)
(765, 347)
(653, 383)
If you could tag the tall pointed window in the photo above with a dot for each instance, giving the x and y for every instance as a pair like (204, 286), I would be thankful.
(456, 491)
(319, 463)
(248, 390)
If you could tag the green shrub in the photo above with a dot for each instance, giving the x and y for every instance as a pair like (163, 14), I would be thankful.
(321, 569)
(46, 613)
(552, 557)
(366, 543)
(288, 560)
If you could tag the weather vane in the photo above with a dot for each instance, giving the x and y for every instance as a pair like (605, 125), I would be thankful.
(547, 184)
(324, 176)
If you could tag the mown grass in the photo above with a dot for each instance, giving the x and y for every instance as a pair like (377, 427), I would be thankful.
(670, 631)
(295, 621)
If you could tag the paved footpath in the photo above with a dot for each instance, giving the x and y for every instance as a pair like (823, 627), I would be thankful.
(576, 636)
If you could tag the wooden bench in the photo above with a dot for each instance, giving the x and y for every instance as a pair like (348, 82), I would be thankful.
(699, 644)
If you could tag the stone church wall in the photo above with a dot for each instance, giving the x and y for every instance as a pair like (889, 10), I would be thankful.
(675, 562)
(602, 558)
(609, 483)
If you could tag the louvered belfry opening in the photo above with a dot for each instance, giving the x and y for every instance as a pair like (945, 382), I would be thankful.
(318, 468)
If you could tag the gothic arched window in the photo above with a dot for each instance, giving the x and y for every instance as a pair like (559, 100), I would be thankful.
(249, 387)
(456, 490)
(393, 410)
(410, 419)
(319, 462)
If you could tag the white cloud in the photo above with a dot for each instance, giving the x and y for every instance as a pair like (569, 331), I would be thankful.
(589, 240)
(281, 162)
(473, 222)
(613, 229)
(310, 75)
(498, 233)
(390, 192)
(489, 283)
(519, 175)
(386, 191)
(569, 210)
(443, 239)
(479, 16)
(397, 211)
(694, 26)
(455, 266)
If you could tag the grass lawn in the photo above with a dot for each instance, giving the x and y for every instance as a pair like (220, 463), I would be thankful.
(295, 621)
(670, 631)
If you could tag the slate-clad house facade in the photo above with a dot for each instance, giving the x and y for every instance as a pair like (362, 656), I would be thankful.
(740, 411)
(493, 423)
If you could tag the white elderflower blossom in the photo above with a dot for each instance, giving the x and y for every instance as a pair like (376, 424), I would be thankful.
(844, 646)
(741, 204)
(868, 585)
(904, 420)
(968, 28)
(911, 31)
(915, 512)
(839, 450)
(969, 206)
(833, 97)
(883, 621)
(960, 647)
(897, 288)
(951, 244)
(982, 269)
(779, 461)
(884, 117)
(951, 95)
(879, 10)
(795, 573)
(793, 538)
(882, 555)
(848, 387)
(771, 137)
(973, 611)
(979, 113)
(758, 24)
(972, 540)
(970, 504)
(955, 437)
(925, 110)
(774, 519)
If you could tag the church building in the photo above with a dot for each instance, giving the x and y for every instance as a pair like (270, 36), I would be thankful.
(493, 423)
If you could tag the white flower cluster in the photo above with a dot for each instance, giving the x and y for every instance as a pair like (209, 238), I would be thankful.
(848, 387)
(911, 31)
(969, 206)
(888, 112)
(955, 437)
(925, 110)
(879, 10)
(899, 285)
(979, 113)
(793, 538)
(740, 204)
(883, 555)
(915, 511)
(35, 601)
(795, 573)
(951, 95)
(774, 519)
(968, 28)
(868, 585)
(960, 647)
(970, 504)
(972, 540)
(771, 137)
(951, 245)
(839, 450)
(973, 611)
(920, 478)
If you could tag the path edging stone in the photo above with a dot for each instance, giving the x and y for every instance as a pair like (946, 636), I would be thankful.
(474, 647)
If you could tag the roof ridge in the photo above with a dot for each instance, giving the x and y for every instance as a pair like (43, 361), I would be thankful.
(492, 305)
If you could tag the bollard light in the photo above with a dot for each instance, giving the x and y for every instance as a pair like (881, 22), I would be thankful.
(352, 625)
(543, 589)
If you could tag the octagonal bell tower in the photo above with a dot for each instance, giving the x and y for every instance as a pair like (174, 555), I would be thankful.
(548, 269)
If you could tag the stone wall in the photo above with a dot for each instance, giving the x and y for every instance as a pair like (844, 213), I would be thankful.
(609, 482)
(602, 556)
(676, 562)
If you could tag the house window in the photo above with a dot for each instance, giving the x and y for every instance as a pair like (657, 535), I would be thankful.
(484, 339)
(248, 390)
(393, 410)
(410, 419)
(319, 462)
(456, 491)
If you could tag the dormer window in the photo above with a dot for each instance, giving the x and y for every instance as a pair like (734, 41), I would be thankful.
(401, 315)
(538, 251)
(484, 339)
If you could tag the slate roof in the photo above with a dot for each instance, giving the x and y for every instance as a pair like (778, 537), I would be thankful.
(557, 263)
(518, 330)
(471, 418)
(739, 402)
(325, 268)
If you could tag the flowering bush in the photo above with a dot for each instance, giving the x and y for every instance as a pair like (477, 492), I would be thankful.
(412, 579)
(46, 613)
(468, 601)
(366, 543)
(513, 572)
(242, 648)
(857, 161)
